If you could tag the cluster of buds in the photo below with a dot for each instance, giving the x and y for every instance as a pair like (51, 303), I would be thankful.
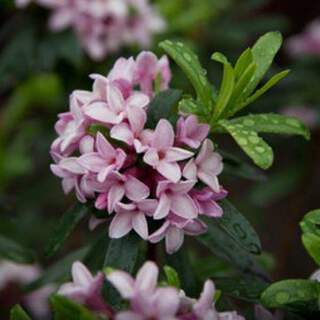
(146, 299)
(136, 173)
(104, 26)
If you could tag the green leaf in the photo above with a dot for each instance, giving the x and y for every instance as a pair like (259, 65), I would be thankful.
(122, 254)
(162, 106)
(271, 83)
(58, 272)
(189, 106)
(172, 277)
(17, 313)
(65, 226)
(254, 146)
(223, 246)
(11, 250)
(180, 261)
(295, 295)
(189, 63)
(67, 309)
(263, 53)
(271, 123)
(243, 63)
(310, 226)
(43, 90)
(227, 86)
(239, 228)
(244, 288)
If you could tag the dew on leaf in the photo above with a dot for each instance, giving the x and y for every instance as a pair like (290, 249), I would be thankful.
(254, 139)
(260, 149)
(248, 122)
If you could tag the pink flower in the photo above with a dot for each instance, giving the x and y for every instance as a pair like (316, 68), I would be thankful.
(173, 230)
(205, 201)
(105, 160)
(146, 300)
(308, 42)
(207, 166)
(162, 156)
(115, 109)
(23, 274)
(149, 69)
(174, 197)
(191, 132)
(83, 286)
(132, 216)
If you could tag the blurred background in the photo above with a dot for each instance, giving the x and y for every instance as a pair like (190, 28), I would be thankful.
(39, 68)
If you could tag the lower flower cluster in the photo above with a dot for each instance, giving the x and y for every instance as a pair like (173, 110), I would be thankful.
(146, 299)
(107, 152)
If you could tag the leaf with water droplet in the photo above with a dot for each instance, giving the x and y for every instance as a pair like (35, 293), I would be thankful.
(295, 295)
(254, 146)
(190, 64)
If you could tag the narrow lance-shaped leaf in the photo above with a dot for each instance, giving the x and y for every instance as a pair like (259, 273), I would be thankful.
(17, 313)
(65, 226)
(295, 295)
(271, 123)
(239, 228)
(254, 146)
(242, 64)
(189, 63)
(11, 250)
(263, 53)
(66, 309)
(271, 83)
(226, 88)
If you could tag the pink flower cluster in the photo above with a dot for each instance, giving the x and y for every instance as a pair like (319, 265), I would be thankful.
(103, 26)
(306, 43)
(147, 299)
(138, 173)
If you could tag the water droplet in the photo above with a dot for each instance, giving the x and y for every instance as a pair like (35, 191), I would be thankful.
(243, 141)
(248, 122)
(293, 122)
(260, 149)
(187, 57)
(254, 139)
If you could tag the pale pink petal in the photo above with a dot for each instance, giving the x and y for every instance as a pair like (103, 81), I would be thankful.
(120, 225)
(174, 239)
(115, 195)
(205, 301)
(129, 315)
(163, 136)
(80, 274)
(183, 206)
(169, 170)
(137, 119)
(135, 189)
(99, 111)
(140, 225)
(137, 100)
(163, 207)
(123, 133)
(147, 277)
(183, 186)
(123, 282)
(92, 161)
(68, 185)
(167, 302)
(72, 165)
(210, 180)
(148, 206)
(105, 149)
(177, 154)
(151, 157)
(195, 227)
(86, 144)
(115, 99)
(57, 171)
(205, 151)
(159, 234)
(103, 174)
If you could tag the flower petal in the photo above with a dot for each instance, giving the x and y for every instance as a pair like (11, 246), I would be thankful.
(105, 149)
(169, 170)
(140, 225)
(99, 111)
(166, 302)
(151, 157)
(123, 282)
(174, 239)
(122, 132)
(72, 165)
(177, 154)
(159, 234)
(135, 189)
(92, 161)
(115, 195)
(183, 206)
(205, 301)
(163, 207)
(147, 277)
(115, 98)
(80, 274)
(120, 225)
(210, 180)
(163, 136)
